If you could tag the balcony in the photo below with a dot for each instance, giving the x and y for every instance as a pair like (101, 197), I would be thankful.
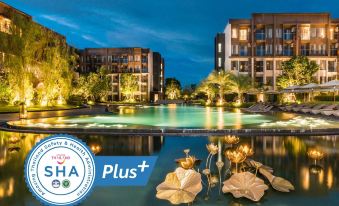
(334, 52)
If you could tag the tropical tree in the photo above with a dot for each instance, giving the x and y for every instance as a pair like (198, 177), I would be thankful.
(223, 82)
(129, 86)
(209, 89)
(5, 91)
(299, 70)
(241, 84)
(172, 88)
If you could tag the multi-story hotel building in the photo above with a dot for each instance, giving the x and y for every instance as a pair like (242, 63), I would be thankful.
(147, 65)
(259, 45)
(6, 13)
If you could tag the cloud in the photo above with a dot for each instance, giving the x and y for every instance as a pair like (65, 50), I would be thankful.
(60, 20)
(92, 39)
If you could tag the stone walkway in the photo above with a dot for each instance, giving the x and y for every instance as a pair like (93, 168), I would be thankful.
(60, 113)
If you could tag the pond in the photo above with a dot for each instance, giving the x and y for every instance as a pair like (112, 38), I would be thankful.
(315, 182)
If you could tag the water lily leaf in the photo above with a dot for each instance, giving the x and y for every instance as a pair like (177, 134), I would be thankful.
(255, 164)
(245, 184)
(180, 186)
(281, 184)
(267, 174)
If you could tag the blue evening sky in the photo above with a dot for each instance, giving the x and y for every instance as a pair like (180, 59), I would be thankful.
(181, 30)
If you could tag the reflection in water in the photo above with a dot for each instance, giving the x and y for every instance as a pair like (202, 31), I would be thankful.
(287, 155)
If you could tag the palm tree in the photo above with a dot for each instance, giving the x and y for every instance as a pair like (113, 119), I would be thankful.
(209, 89)
(223, 81)
(241, 84)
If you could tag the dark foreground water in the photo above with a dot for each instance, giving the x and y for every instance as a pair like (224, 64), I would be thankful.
(315, 184)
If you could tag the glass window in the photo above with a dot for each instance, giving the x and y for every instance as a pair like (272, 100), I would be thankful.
(269, 65)
(313, 32)
(243, 66)
(234, 65)
(269, 33)
(331, 33)
(243, 50)
(268, 49)
(305, 33)
(234, 33)
(331, 66)
(234, 49)
(278, 33)
(243, 34)
(260, 50)
(278, 49)
(321, 32)
(259, 66)
(278, 65)
(219, 47)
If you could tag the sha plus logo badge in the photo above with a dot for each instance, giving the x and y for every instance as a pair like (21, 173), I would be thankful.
(60, 170)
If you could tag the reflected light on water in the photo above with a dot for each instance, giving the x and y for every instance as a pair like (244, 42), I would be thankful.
(329, 178)
(208, 121)
(305, 178)
(220, 118)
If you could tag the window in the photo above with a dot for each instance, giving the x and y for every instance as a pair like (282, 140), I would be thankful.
(278, 49)
(278, 33)
(334, 50)
(331, 66)
(288, 35)
(288, 51)
(305, 33)
(234, 49)
(219, 47)
(305, 50)
(269, 33)
(321, 32)
(243, 50)
(243, 34)
(268, 49)
(243, 66)
(234, 33)
(219, 62)
(331, 33)
(260, 34)
(313, 32)
(322, 49)
(259, 66)
(260, 50)
(269, 65)
(137, 58)
(269, 81)
(234, 65)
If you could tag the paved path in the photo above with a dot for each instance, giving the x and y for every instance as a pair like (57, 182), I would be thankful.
(60, 113)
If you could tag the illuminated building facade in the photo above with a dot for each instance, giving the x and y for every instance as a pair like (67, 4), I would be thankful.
(147, 65)
(257, 46)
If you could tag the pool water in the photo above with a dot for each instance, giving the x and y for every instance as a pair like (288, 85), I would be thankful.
(315, 183)
(175, 116)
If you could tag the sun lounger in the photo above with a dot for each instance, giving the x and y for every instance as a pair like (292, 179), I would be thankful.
(328, 107)
(330, 111)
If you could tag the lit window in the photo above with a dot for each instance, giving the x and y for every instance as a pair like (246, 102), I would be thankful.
(321, 32)
(331, 33)
(219, 62)
(243, 34)
(219, 47)
(5, 25)
(234, 33)
(305, 33)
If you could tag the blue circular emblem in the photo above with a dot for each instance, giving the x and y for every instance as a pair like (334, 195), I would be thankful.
(60, 170)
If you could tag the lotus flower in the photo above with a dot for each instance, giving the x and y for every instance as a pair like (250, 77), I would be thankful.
(180, 186)
(315, 154)
(247, 150)
(231, 139)
(235, 156)
(187, 162)
(245, 184)
(212, 148)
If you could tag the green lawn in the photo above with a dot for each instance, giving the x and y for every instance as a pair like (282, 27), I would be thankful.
(5, 109)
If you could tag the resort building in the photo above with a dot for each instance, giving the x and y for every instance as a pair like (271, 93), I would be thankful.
(6, 14)
(257, 46)
(147, 65)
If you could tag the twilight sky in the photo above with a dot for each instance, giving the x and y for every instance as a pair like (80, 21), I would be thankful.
(181, 30)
